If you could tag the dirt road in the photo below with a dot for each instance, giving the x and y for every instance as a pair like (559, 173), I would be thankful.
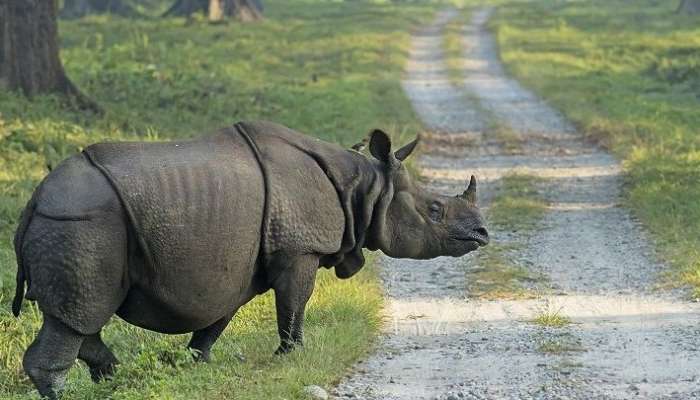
(627, 340)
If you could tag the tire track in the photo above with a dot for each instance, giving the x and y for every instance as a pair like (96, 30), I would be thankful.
(628, 340)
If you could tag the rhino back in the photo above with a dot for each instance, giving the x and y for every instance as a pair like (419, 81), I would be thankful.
(197, 208)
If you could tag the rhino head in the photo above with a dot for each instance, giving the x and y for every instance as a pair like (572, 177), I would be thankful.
(411, 222)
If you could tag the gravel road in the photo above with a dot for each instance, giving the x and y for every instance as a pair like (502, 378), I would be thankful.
(628, 340)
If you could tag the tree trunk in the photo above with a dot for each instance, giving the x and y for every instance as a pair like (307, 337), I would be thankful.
(216, 10)
(81, 8)
(690, 7)
(29, 58)
(245, 10)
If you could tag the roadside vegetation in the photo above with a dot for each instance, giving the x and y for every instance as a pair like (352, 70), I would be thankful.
(628, 74)
(516, 206)
(330, 69)
(551, 319)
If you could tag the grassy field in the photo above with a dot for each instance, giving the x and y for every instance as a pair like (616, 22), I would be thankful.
(628, 74)
(327, 68)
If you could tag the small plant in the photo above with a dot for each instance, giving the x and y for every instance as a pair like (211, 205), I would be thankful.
(551, 319)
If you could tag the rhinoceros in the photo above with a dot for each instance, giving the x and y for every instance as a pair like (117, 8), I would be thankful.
(176, 236)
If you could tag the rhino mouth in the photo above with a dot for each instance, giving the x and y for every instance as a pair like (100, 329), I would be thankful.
(474, 237)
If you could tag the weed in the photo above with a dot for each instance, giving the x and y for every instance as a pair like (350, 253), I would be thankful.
(551, 319)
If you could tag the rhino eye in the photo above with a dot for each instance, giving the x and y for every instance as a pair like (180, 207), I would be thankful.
(436, 211)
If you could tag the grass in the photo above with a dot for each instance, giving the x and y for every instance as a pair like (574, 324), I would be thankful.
(562, 344)
(551, 319)
(330, 69)
(516, 206)
(627, 73)
(496, 277)
(453, 47)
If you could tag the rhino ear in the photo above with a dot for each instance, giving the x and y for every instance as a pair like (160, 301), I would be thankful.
(380, 145)
(403, 153)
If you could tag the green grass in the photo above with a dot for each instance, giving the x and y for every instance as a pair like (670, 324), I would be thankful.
(516, 206)
(330, 69)
(454, 48)
(628, 74)
(551, 319)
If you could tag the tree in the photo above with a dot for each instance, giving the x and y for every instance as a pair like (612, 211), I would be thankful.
(245, 10)
(29, 57)
(691, 7)
(80, 8)
(218, 10)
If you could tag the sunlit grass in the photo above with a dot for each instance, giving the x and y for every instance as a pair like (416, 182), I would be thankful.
(551, 319)
(627, 74)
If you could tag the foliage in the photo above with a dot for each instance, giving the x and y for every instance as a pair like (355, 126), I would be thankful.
(626, 72)
(327, 68)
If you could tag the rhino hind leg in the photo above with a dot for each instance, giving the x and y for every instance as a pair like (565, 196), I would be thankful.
(293, 288)
(50, 356)
(203, 339)
(98, 357)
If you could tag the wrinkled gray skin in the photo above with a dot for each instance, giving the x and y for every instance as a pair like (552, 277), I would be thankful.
(175, 237)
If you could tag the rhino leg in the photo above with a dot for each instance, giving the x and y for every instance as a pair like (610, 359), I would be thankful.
(51, 355)
(293, 288)
(203, 339)
(98, 357)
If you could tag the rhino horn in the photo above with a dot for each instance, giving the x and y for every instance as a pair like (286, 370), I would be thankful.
(470, 194)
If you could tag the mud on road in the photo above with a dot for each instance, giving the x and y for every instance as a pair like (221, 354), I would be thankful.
(627, 340)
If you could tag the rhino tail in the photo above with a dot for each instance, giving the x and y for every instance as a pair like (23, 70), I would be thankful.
(19, 237)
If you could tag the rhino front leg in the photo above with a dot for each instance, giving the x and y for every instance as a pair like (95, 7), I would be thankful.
(293, 288)
(203, 339)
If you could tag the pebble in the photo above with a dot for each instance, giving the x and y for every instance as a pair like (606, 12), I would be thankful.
(316, 392)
